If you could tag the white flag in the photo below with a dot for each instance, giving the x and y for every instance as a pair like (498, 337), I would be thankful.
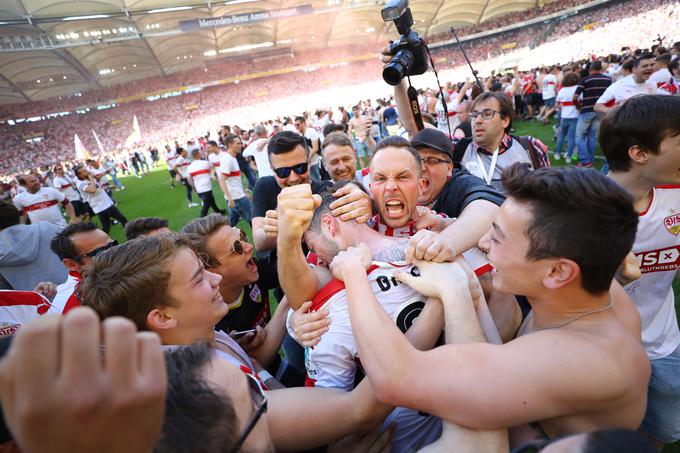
(136, 135)
(99, 143)
(81, 152)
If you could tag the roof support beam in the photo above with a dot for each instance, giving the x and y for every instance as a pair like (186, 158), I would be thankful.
(481, 14)
(153, 54)
(70, 60)
(14, 87)
(436, 11)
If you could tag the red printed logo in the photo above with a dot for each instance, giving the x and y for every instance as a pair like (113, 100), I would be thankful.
(672, 224)
(661, 260)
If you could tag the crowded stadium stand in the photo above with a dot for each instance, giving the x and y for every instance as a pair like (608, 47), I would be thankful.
(504, 172)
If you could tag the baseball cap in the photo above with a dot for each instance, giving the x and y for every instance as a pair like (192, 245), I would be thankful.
(433, 139)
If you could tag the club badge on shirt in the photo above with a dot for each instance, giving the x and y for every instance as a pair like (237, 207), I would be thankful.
(672, 224)
(255, 294)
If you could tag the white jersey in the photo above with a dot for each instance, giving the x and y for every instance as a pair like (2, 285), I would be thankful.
(445, 121)
(623, 89)
(660, 77)
(313, 136)
(171, 158)
(98, 200)
(261, 157)
(199, 171)
(42, 206)
(181, 165)
(474, 257)
(332, 363)
(566, 99)
(231, 173)
(657, 248)
(66, 185)
(549, 86)
(214, 159)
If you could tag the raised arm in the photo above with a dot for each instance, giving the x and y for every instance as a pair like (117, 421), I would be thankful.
(295, 209)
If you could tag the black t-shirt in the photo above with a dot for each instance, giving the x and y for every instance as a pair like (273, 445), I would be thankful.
(267, 189)
(466, 127)
(462, 189)
(253, 307)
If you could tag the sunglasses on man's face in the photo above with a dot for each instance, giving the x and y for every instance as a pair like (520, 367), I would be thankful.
(284, 172)
(237, 247)
(97, 251)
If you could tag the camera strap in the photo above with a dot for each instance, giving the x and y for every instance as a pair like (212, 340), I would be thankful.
(415, 107)
(441, 91)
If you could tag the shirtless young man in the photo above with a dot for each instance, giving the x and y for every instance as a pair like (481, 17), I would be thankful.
(578, 367)
(359, 126)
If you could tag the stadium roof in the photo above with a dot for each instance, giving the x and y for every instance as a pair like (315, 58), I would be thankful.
(51, 48)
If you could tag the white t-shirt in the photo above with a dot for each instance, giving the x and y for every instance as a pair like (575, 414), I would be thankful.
(214, 159)
(549, 86)
(98, 200)
(181, 165)
(231, 173)
(65, 185)
(660, 77)
(657, 248)
(42, 206)
(314, 136)
(99, 174)
(566, 99)
(261, 158)
(620, 91)
(199, 172)
(332, 363)
(170, 158)
(452, 118)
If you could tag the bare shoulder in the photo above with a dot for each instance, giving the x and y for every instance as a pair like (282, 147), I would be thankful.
(597, 361)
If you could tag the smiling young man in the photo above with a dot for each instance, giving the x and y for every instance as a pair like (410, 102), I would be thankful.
(340, 159)
(641, 140)
(244, 287)
(579, 366)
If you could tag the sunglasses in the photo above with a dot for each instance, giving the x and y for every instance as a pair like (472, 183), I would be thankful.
(237, 247)
(284, 172)
(97, 251)
(260, 402)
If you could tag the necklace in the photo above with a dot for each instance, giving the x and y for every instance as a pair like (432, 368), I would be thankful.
(579, 316)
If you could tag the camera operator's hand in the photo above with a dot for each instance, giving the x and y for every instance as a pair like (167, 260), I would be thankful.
(385, 57)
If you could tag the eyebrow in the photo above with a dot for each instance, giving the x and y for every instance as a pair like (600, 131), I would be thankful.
(498, 229)
(198, 272)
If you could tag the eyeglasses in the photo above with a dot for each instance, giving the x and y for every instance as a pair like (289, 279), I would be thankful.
(284, 172)
(97, 251)
(487, 114)
(260, 401)
(237, 247)
(434, 161)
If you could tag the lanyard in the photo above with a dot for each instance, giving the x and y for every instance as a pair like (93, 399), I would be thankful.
(492, 168)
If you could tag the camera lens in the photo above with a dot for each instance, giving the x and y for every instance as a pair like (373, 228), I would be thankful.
(399, 67)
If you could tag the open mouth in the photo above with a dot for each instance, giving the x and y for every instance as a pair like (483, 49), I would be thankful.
(251, 266)
(394, 208)
(218, 300)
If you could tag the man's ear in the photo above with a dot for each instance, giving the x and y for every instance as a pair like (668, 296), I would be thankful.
(638, 155)
(158, 320)
(71, 265)
(562, 272)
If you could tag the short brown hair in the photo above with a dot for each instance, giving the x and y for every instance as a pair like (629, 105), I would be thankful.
(143, 226)
(570, 79)
(395, 141)
(577, 214)
(199, 230)
(503, 101)
(131, 279)
(337, 139)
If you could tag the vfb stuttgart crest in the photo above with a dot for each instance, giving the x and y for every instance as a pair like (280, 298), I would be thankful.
(672, 224)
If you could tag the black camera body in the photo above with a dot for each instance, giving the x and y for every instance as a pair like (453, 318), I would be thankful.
(410, 52)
